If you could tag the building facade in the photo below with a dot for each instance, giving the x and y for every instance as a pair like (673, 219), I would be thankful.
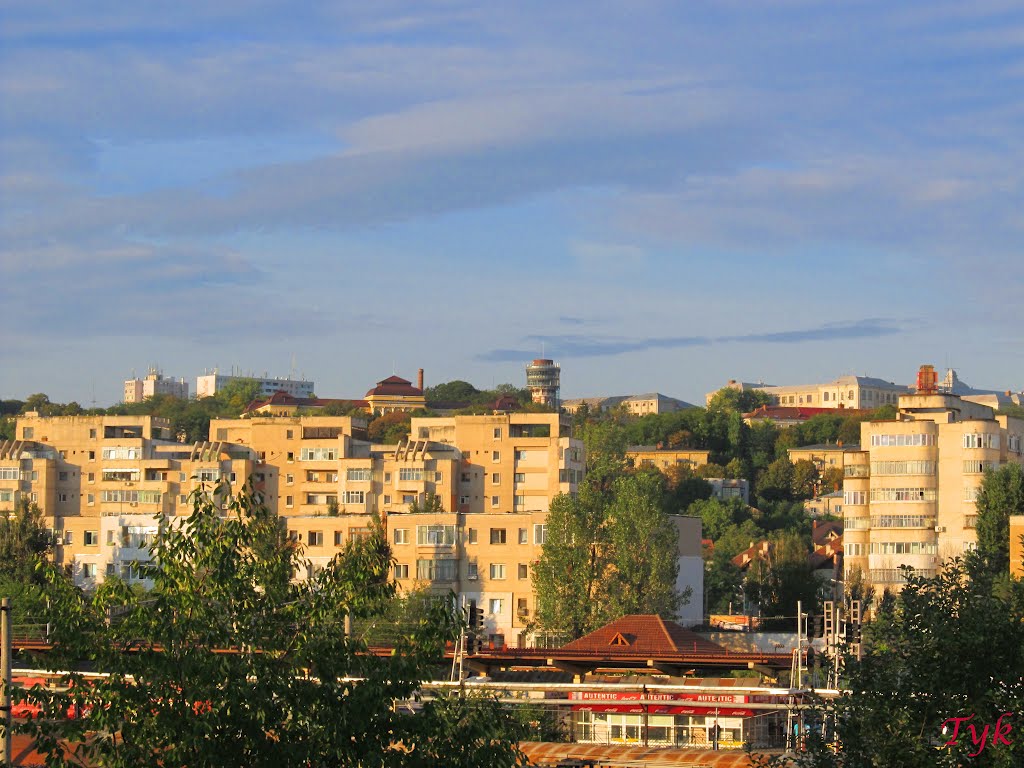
(210, 384)
(155, 383)
(858, 392)
(464, 501)
(909, 494)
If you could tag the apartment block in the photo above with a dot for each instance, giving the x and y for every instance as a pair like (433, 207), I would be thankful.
(155, 383)
(909, 493)
(210, 384)
(104, 483)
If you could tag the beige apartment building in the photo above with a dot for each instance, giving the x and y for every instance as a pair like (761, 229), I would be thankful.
(857, 392)
(666, 458)
(909, 493)
(155, 383)
(104, 482)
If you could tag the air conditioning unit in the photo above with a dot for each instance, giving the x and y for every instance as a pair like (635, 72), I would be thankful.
(940, 529)
(134, 504)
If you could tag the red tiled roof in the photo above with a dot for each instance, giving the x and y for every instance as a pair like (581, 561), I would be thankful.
(643, 634)
(549, 753)
(821, 531)
(395, 386)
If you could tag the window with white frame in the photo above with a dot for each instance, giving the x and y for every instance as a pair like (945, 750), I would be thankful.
(401, 570)
(472, 571)
(495, 605)
(357, 474)
(498, 571)
(318, 454)
(540, 533)
(435, 535)
(436, 570)
(401, 535)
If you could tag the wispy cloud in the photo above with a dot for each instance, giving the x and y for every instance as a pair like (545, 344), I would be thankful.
(576, 346)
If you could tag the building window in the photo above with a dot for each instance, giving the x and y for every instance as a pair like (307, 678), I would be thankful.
(472, 571)
(495, 456)
(436, 570)
(401, 570)
(289, 434)
(435, 535)
(472, 536)
(355, 497)
(401, 535)
(495, 605)
(498, 571)
(339, 538)
(494, 501)
(90, 538)
(519, 477)
(540, 533)
(90, 499)
(524, 571)
(495, 478)
(523, 537)
(289, 501)
(62, 497)
(497, 535)
(463, 499)
(315, 539)
(357, 474)
(28, 433)
(89, 570)
(410, 474)
(521, 607)
(387, 498)
(497, 433)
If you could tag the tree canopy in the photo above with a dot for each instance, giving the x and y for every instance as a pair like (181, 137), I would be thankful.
(945, 647)
(611, 550)
(1001, 495)
(227, 661)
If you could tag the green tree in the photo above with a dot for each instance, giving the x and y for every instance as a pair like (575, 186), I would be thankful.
(431, 504)
(390, 428)
(24, 542)
(235, 664)
(729, 399)
(945, 647)
(237, 394)
(569, 577)
(1001, 495)
(451, 392)
(831, 480)
(642, 579)
(805, 479)
(775, 483)
(783, 578)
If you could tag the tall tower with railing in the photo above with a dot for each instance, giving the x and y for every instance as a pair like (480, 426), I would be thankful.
(543, 379)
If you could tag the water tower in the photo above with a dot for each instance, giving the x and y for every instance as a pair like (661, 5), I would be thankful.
(543, 379)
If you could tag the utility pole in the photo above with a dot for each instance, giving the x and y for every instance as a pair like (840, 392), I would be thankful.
(6, 755)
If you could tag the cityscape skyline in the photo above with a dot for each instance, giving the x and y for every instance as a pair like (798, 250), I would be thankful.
(658, 197)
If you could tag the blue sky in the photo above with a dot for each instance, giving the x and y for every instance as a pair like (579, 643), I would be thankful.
(660, 195)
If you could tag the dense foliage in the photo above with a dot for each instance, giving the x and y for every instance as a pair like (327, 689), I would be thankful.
(227, 661)
(951, 646)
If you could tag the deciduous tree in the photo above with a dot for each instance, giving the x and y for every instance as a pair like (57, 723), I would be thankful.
(229, 662)
(1001, 495)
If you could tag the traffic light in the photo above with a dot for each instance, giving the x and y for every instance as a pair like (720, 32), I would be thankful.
(470, 644)
(819, 625)
(475, 616)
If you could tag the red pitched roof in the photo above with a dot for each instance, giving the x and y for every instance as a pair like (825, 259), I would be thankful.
(395, 386)
(643, 634)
